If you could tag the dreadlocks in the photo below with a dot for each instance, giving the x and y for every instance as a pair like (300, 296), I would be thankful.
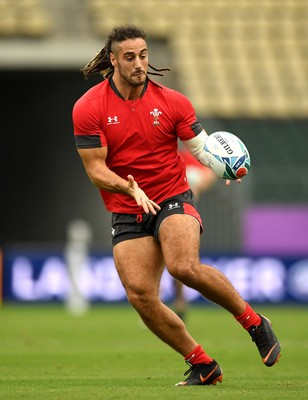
(100, 64)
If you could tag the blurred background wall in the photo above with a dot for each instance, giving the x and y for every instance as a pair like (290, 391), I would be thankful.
(244, 66)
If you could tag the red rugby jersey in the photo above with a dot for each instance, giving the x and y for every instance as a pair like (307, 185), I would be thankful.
(141, 136)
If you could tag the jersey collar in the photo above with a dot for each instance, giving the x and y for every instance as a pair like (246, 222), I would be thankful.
(114, 88)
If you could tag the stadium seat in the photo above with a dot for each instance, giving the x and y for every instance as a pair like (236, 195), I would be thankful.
(8, 23)
(23, 18)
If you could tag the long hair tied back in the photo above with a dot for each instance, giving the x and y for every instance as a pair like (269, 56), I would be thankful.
(101, 64)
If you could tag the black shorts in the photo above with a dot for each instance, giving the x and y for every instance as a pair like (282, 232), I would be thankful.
(132, 226)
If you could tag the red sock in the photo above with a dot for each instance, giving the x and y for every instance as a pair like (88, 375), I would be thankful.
(198, 356)
(249, 318)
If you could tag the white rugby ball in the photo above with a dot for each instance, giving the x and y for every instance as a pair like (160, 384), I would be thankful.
(227, 155)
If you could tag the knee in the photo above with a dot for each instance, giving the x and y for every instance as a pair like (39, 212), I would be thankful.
(140, 298)
(183, 270)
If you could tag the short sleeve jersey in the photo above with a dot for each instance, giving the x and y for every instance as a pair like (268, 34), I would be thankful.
(141, 138)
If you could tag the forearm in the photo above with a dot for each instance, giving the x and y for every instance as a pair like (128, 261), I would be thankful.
(196, 147)
(104, 178)
(94, 161)
(107, 180)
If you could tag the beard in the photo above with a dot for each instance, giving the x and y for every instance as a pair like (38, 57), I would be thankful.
(136, 79)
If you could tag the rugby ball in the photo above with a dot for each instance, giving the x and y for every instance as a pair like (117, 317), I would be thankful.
(227, 155)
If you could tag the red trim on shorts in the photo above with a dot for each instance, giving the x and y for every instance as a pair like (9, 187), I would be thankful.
(190, 210)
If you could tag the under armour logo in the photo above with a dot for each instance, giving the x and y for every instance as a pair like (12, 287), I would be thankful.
(171, 206)
(113, 120)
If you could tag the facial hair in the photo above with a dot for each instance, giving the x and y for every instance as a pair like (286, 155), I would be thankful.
(129, 79)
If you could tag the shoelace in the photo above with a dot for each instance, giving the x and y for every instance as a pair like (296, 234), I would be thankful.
(191, 366)
(258, 331)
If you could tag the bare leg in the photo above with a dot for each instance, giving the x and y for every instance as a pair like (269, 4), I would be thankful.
(179, 236)
(140, 264)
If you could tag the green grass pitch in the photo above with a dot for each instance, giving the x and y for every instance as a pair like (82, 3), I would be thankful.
(46, 353)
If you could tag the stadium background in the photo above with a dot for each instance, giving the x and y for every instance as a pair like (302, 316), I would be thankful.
(244, 66)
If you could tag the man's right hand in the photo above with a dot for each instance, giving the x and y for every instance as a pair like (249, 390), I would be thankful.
(149, 206)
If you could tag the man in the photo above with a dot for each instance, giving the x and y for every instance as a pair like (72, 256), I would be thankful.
(126, 131)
